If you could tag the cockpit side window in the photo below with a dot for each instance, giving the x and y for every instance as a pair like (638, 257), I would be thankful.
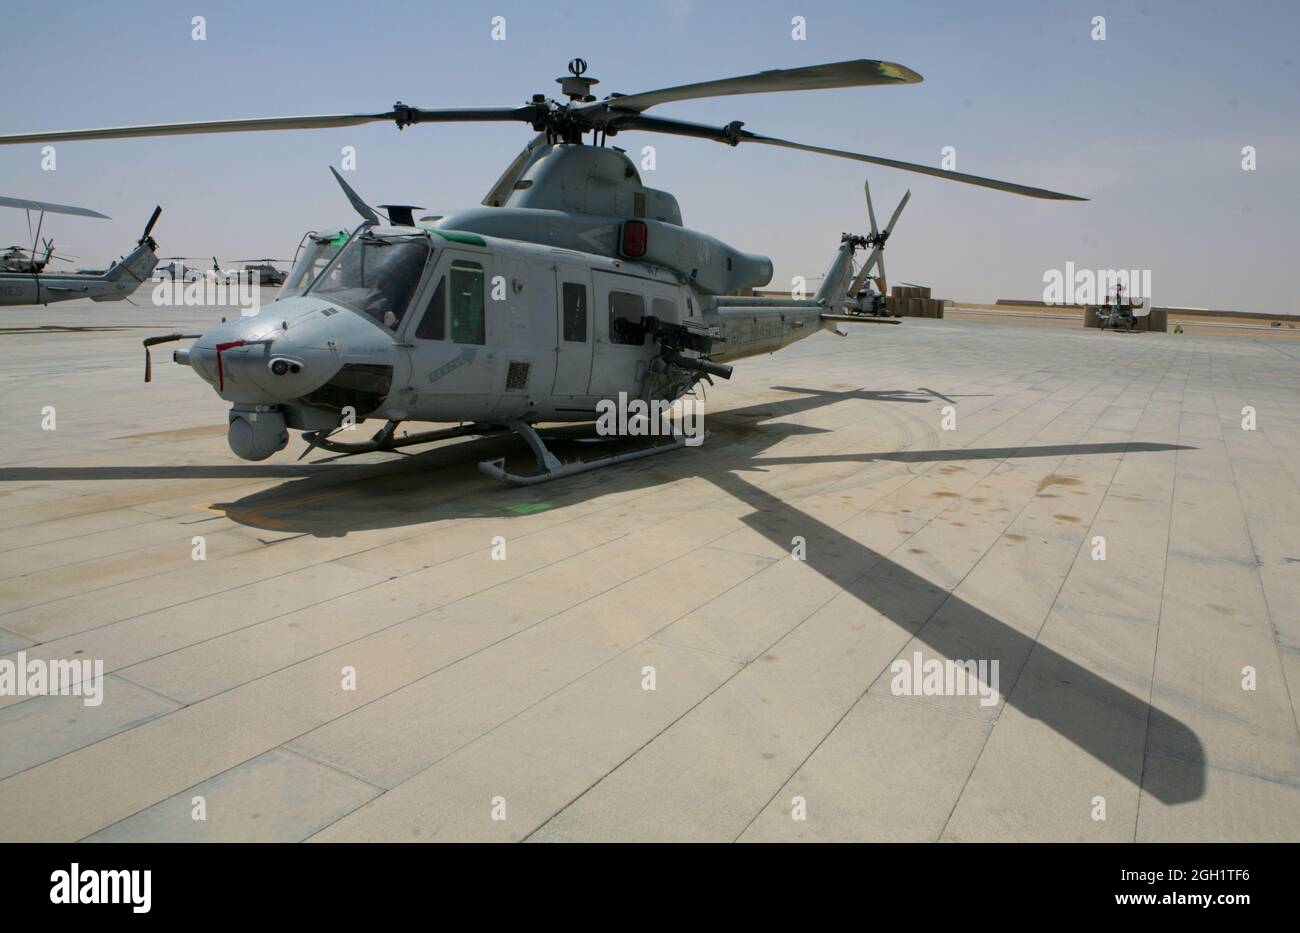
(574, 298)
(433, 326)
(466, 300)
(376, 276)
(314, 254)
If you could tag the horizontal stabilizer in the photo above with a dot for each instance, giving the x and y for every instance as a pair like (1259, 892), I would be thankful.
(858, 319)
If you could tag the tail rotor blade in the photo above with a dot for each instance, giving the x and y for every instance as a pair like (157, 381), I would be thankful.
(871, 211)
(856, 285)
(148, 228)
(863, 274)
(876, 258)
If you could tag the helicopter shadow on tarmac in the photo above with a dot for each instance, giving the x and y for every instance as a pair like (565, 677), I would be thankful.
(1108, 722)
(1105, 720)
(336, 495)
(1114, 726)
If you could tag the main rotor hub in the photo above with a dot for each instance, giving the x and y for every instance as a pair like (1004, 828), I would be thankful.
(576, 87)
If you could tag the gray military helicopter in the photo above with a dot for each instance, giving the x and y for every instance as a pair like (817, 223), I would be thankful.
(25, 260)
(860, 297)
(31, 285)
(263, 272)
(258, 271)
(179, 270)
(1122, 313)
(573, 283)
(30, 261)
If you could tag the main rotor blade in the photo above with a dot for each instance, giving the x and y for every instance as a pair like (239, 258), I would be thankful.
(25, 205)
(35, 253)
(186, 129)
(361, 207)
(889, 227)
(405, 115)
(402, 116)
(979, 180)
(733, 135)
(861, 72)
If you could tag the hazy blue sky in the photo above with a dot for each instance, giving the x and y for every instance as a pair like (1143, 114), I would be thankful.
(1149, 124)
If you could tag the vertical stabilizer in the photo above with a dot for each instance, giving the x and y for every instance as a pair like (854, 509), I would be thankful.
(836, 282)
(139, 264)
(136, 266)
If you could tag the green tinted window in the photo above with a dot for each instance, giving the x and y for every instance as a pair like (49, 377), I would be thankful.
(467, 292)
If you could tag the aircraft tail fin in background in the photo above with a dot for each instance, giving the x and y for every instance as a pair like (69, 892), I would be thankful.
(138, 264)
(841, 286)
(835, 284)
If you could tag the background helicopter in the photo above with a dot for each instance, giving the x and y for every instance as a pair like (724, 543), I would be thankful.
(185, 269)
(23, 280)
(30, 259)
(861, 298)
(24, 259)
(1121, 313)
(263, 271)
(596, 289)
(260, 271)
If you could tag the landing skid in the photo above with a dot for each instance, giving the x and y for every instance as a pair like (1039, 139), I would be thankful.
(384, 439)
(549, 467)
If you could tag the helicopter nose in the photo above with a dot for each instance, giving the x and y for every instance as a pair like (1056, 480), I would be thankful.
(302, 362)
(276, 356)
(262, 362)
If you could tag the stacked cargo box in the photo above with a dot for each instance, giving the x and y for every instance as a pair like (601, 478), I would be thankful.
(913, 301)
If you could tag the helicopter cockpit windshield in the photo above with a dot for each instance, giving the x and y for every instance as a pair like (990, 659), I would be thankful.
(375, 275)
(315, 251)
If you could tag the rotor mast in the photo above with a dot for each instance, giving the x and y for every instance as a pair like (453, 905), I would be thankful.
(578, 89)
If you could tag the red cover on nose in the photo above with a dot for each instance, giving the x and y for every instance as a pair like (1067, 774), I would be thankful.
(221, 348)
